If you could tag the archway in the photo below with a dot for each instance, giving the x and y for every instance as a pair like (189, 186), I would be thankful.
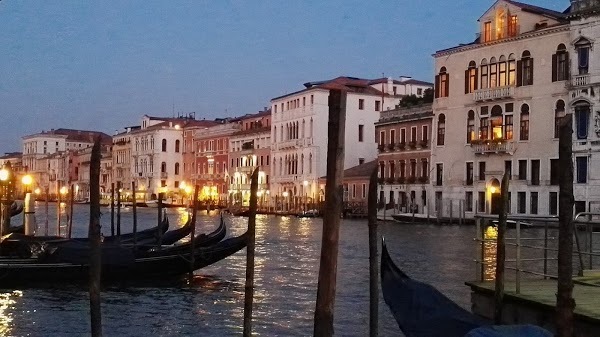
(495, 197)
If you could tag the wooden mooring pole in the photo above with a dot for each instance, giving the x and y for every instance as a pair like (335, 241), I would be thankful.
(71, 202)
(94, 238)
(565, 304)
(501, 251)
(112, 209)
(373, 258)
(46, 222)
(331, 219)
(250, 248)
(161, 197)
(193, 233)
(119, 213)
(134, 206)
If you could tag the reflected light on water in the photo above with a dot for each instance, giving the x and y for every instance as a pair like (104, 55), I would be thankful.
(489, 253)
(7, 300)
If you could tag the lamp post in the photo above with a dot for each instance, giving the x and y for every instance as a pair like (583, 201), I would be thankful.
(61, 193)
(6, 196)
(285, 200)
(305, 183)
(28, 206)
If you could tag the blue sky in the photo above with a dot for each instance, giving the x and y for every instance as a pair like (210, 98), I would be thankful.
(101, 65)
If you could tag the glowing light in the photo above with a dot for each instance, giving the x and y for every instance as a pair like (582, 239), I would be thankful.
(259, 194)
(305, 183)
(188, 189)
(27, 180)
(285, 194)
(64, 190)
(493, 189)
(491, 233)
(37, 191)
(177, 126)
(4, 174)
(182, 185)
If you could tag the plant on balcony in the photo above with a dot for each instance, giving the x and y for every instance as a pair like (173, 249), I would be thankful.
(411, 180)
(423, 180)
(401, 180)
(381, 147)
(412, 144)
(380, 181)
(402, 145)
(424, 143)
(390, 180)
(391, 146)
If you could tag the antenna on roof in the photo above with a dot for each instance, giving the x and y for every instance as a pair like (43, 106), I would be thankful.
(173, 110)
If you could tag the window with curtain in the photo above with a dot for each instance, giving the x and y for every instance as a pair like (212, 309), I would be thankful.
(470, 126)
(484, 74)
(441, 129)
(559, 112)
(524, 125)
(582, 119)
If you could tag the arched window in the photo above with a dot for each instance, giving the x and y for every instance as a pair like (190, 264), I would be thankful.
(311, 127)
(177, 146)
(310, 163)
(303, 128)
(471, 78)
(275, 134)
(484, 74)
(164, 145)
(163, 167)
(512, 76)
(525, 69)
(493, 73)
(280, 166)
(524, 125)
(442, 83)
(176, 168)
(502, 80)
(441, 129)
(560, 64)
(496, 122)
(470, 126)
(582, 119)
(559, 113)
(302, 164)
(583, 45)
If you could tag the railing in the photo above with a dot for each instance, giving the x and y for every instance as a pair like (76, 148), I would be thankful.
(530, 251)
(579, 80)
(494, 147)
(164, 175)
(493, 93)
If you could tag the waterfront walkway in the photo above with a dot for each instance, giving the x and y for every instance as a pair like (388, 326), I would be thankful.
(536, 303)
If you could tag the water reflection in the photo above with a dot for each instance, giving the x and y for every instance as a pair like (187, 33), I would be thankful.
(7, 302)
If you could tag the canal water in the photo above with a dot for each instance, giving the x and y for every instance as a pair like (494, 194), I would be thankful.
(287, 263)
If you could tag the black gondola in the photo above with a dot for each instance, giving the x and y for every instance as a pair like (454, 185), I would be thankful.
(118, 264)
(422, 311)
(16, 208)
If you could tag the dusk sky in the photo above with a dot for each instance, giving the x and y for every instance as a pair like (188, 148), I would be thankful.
(102, 65)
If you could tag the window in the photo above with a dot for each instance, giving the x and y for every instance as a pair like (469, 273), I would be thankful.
(360, 161)
(511, 70)
(554, 171)
(470, 126)
(469, 173)
(535, 172)
(525, 69)
(164, 145)
(353, 191)
(496, 122)
(392, 136)
(312, 99)
(469, 201)
(442, 83)
(402, 169)
(163, 167)
(471, 78)
(508, 168)
(402, 136)
(493, 73)
(361, 104)
(483, 128)
(413, 134)
(553, 203)
(425, 133)
(487, 31)
(533, 203)
(163, 183)
(522, 169)
(560, 64)
(484, 74)
(524, 125)
(521, 205)
(513, 25)
(502, 71)
(424, 169)
(441, 129)
(419, 91)
(364, 191)
(177, 145)
(439, 174)
(583, 56)
(482, 170)
(481, 202)
(176, 168)
(582, 118)
(361, 129)
(377, 105)
(559, 113)
(508, 127)
(582, 169)
(382, 138)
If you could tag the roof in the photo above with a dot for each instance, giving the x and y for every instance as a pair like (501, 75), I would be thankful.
(82, 136)
(417, 82)
(400, 82)
(538, 10)
(9, 155)
(360, 171)
(265, 129)
(345, 83)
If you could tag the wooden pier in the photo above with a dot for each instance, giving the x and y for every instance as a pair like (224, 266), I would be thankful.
(536, 304)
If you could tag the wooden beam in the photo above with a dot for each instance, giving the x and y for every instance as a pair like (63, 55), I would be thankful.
(331, 220)
(501, 251)
(249, 288)
(373, 258)
(94, 238)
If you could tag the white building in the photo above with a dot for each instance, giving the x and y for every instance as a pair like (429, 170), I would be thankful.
(585, 102)
(496, 107)
(299, 133)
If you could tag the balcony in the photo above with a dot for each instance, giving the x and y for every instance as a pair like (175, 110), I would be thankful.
(288, 144)
(491, 147)
(164, 175)
(491, 94)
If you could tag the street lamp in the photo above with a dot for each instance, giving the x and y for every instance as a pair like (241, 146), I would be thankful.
(285, 195)
(6, 195)
(26, 180)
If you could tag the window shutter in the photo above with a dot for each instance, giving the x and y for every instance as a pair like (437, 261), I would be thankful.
(554, 67)
(519, 73)
(532, 72)
(437, 86)
(568, 70)
(476, 79)
(447, 85)
(467, 81)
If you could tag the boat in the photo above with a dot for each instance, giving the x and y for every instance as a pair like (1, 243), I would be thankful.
(422, 311)
(410, 218)
(513, 224)
(16, 208)
(311, 213)
(70, 263)
(165, 204)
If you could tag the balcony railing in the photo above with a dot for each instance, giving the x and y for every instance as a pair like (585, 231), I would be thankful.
(580, 80)
(164, 175)
(493, 93)
(490, 147)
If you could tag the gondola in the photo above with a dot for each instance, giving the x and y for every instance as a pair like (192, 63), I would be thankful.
(175, 235)
(16, 208)
(118, 264)
(422, 311)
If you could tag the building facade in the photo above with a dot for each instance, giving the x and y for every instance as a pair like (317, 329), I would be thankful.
(584, 86)
(299, 134)
(250, 148)
(404, 144)
(498, 101)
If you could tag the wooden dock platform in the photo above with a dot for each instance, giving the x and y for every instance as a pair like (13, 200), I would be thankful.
(536, 304)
